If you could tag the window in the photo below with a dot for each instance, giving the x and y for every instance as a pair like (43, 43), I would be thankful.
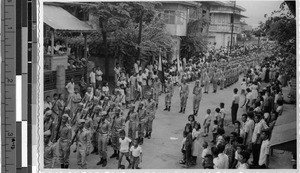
(180, 18)
(169, 17)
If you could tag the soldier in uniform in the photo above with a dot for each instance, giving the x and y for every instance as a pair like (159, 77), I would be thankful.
(64, 141)
(215, 78)
(94, 135)
(133, 122)
(156, 91)
(222, 79)
(49, 124)
(150, 116)
(184, 93)
(142, 118)
(206, 81)
(82, 138)
(118, 124)
(78, 113)
(49, 151)
(169, 94)
(103, 130)
(197, 91)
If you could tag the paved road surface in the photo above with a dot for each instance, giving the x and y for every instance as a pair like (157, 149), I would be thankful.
(161, 152)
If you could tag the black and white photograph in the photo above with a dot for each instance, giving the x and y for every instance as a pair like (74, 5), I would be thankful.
(168, 85)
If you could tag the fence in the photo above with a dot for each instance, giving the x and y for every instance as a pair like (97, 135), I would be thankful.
(76, 74)
(49, 80)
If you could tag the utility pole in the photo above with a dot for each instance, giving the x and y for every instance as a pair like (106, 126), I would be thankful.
(232, 26)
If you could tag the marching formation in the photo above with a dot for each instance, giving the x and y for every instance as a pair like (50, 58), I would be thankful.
(95, 121)
(92, 117)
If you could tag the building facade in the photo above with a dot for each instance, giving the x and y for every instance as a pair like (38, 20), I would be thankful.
(177, 15)
(222, 15)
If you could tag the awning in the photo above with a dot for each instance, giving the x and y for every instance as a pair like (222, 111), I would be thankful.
(59, 19)
(284, 134)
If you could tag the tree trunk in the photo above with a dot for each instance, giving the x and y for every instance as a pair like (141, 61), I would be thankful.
(104, 36)
(140, 34)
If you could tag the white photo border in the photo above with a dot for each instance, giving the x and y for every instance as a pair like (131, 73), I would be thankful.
(37, 110)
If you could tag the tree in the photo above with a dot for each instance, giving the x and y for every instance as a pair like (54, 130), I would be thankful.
(111, 16)
(195, 42)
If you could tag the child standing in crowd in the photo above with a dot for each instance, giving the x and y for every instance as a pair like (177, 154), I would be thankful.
(196, 143)
(206, 123)
(214, 131)
(188, 145)
(218, 117)
(223, 113)
(243, 159)
(183, 148)
(205, 151)
(124, 148)
(136, 154)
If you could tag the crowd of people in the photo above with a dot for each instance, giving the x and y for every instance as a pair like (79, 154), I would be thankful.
(92, 115)
(261, 87)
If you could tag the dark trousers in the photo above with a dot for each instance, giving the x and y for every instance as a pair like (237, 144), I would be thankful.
(188, 155)
(256, 152)
(234, 110)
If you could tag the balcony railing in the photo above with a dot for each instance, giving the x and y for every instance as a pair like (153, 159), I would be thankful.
(223, 28)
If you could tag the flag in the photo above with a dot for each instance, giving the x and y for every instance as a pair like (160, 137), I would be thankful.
(159, 62)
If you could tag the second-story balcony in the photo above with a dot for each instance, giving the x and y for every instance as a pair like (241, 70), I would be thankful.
(224, 28)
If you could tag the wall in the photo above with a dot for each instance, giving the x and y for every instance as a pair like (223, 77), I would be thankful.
(221, 39)
(176, 48)
(180, 26)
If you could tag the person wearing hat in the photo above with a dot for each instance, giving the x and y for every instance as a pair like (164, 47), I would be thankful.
(82, 138)
(197, 91)
(95, 120)
(222, 79)
(49, 125)
(65, 138)
(102, 130)
(142, 119)
(49, 150)
(184, 93)
(118, 124)
(150, 115)
(133, 118)
(78, 113)
(169, 93)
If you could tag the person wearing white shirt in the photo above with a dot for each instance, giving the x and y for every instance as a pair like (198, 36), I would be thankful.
(98, 76)
(136, 154)
(48, 103)
(264, 150)
(71, 89)
(222, 162)
(117, 71)
(256, 139)
(249, 129)
(124, 148)
(105, 89)
(93, 78)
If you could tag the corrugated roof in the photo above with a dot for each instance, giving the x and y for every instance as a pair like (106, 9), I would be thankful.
(60, 19)
(285, 129)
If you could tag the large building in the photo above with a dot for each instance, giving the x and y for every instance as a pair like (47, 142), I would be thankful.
(177, 14)
(221, 23)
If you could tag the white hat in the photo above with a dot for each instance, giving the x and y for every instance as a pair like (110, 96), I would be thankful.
(65, 115)
(81, 121)
(47, 113)
(47, 133)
